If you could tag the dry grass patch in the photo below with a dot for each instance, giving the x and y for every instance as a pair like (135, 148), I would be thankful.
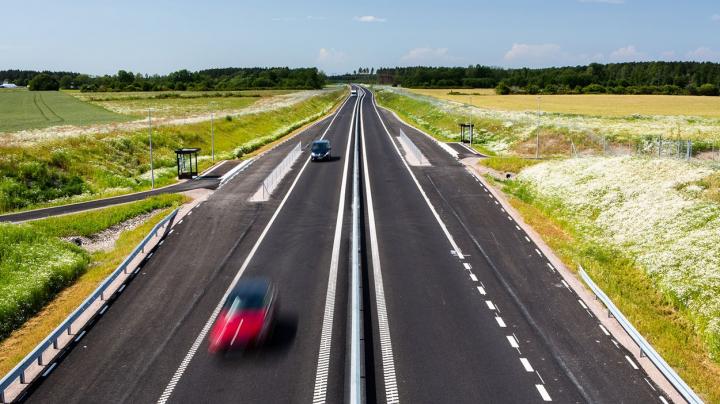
(584, 104)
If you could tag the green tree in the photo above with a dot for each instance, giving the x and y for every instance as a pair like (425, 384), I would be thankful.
(43, 82)
(708, 89)
(502, 89)
(66, 81)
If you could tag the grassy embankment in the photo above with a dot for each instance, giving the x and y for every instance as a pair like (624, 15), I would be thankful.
(73, 169)
(678, 332)
(21, 109)
(35, 263)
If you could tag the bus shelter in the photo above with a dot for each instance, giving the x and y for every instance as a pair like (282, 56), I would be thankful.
(185, 166)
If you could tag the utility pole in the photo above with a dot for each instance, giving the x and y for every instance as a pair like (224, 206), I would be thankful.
(212, 130)
(152, 171)
(537, 131)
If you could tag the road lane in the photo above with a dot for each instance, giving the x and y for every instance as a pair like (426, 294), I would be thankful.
(447, 346)
(136, 346)
(558, 336)
(297, 255)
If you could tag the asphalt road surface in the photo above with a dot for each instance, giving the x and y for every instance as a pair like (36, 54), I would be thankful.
(458, 304)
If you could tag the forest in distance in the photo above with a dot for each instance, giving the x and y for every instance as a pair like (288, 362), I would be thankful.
(669, 78)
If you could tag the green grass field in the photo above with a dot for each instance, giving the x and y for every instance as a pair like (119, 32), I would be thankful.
(92, 166)
(176, 103)
(35, 264)
(22, 109)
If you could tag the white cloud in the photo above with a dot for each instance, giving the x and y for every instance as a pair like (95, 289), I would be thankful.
(627, 54)
(522, 52)
(715, 17)
(326, 55)
(369, 18)
(668, 55)
(428, 56)
(603, 1)
(703, 54)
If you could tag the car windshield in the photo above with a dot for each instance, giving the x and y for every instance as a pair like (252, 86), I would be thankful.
(319, 147)
(245, 301)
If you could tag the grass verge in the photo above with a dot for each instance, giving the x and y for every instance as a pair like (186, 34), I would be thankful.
(666, 326)
(35, 264)
(512, 164)
(95, 166)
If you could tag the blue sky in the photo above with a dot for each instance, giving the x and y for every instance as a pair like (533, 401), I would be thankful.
(102, 36)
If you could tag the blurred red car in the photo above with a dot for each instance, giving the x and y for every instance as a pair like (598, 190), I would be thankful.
(246, 317)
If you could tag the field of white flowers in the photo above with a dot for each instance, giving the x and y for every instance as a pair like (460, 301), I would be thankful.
(654, 210)
(514, 126)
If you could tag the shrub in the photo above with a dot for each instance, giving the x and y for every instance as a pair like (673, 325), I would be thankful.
(502, 89)
(708, 90)
(43, 82)
(594, 89)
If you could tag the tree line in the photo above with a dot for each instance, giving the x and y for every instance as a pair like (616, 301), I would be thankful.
(225, 79)
(680, 78)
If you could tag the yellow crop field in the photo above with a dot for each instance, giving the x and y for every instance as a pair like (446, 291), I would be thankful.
(585, 104)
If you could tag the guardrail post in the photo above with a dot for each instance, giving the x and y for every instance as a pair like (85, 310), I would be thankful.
(40, 360)
(22, 377)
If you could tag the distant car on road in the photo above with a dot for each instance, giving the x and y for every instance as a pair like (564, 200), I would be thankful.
(247, 316)
(353, 93)
(320, 150)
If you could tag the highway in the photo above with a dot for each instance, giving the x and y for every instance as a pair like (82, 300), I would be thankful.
(458, 305)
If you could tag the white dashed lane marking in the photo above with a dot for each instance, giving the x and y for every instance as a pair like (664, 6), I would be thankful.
(513, 342)
(632, 363)
(604, 330)
(583, 304)
(481, 290)
(500, 321)
(467, 266)
(526, 364)
(526, 238)
(538, 252)
(473, 277)
(490, 304)
(543, 393)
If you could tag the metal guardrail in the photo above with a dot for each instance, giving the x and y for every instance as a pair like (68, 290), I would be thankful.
(65, 329)
(271, 182)
(645, 348)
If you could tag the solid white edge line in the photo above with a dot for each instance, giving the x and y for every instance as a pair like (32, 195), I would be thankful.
(412, 175)
(206, 328)
(388, 362)
(323, 364)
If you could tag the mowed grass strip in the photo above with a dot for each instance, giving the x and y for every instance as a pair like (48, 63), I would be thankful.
(35, 263)
(584, 104)
(22, 109)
